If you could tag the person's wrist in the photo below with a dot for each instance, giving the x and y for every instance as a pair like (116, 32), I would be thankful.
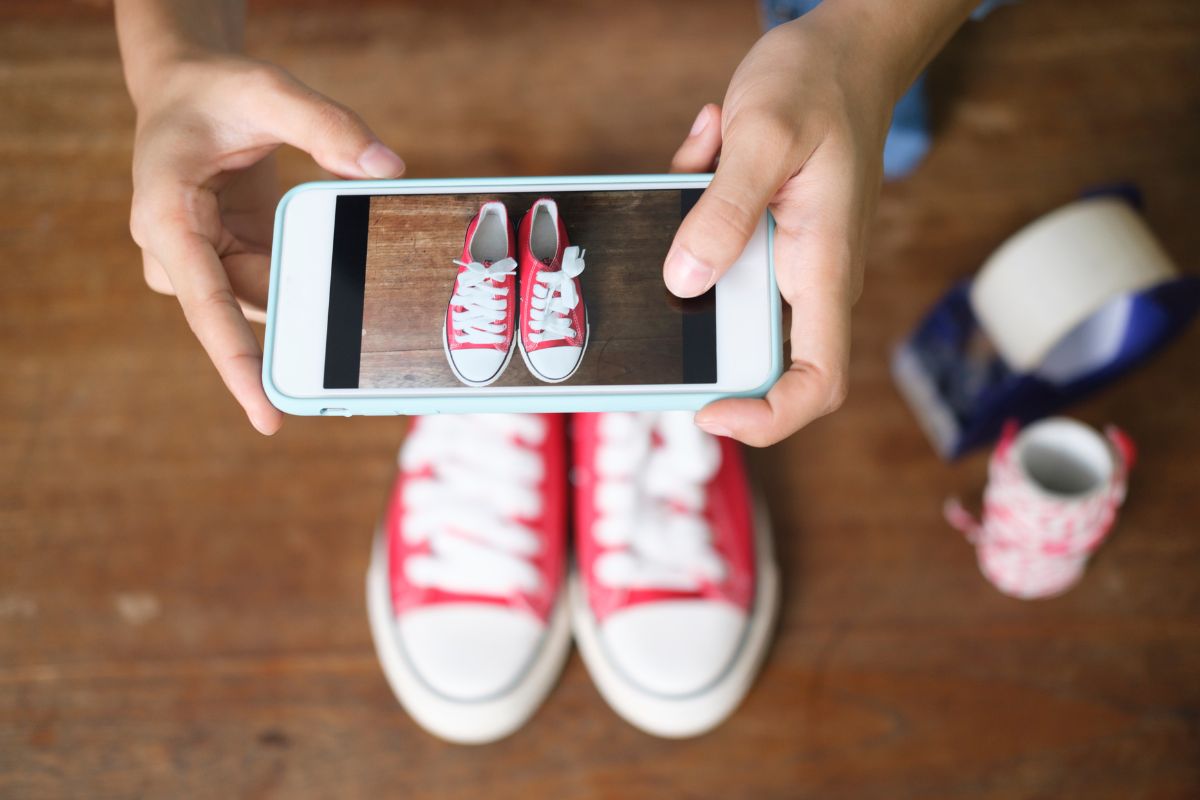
(194, 76)
(160, 38)
(150, 75)
(887, 45)
(847, 76)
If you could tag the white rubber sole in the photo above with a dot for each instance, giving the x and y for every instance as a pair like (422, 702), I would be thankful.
(697, 713)
(587, 337)
(476, 722)
(489, 381)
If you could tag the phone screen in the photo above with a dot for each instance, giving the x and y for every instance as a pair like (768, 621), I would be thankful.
(393, 278)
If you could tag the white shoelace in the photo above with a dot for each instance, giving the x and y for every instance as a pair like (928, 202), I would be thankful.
(483, 300)
(554, 296)
(650, 503)
(481, 481)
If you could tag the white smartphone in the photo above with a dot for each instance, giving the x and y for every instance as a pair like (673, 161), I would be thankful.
(415, 297)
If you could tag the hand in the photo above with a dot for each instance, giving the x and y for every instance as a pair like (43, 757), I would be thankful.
(801, 133)
(205, 193)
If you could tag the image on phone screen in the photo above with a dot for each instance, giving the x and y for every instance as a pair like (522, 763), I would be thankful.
(397, 318)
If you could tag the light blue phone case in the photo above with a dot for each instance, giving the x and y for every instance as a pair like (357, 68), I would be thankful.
(505, 399)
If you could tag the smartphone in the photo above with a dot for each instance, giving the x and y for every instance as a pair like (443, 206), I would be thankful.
(416, 297)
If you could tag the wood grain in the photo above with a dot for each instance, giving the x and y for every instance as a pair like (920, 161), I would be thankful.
(636, 328)
(181, 609)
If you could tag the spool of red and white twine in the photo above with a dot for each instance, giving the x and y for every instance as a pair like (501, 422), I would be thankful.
(1052, 496)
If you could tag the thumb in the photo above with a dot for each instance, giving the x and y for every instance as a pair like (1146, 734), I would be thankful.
(332, 134)
(699, 150)
(716, 230)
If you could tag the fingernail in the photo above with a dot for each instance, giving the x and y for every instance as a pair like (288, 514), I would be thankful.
(380, 162)
(701, 122)
(686, 275)
(714, 429)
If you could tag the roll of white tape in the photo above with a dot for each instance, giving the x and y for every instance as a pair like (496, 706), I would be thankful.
(1060, 271)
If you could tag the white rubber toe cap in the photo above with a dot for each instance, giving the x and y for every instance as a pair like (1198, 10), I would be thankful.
(555, 363)
(675, 647)
(469, 651)
(478, 365)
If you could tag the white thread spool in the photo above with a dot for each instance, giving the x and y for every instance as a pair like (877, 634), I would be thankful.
(1052, 495)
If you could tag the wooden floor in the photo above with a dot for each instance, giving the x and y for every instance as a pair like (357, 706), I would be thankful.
(636, 329)
(181, 600)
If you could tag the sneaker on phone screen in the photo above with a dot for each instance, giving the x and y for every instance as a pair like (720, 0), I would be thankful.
(554, 326)
(465, 589)
(674, 587)
(479, 331)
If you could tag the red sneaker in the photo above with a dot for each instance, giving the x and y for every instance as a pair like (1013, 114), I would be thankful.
(675, 590)
(464, 589)
(478, 332)
(554, 326)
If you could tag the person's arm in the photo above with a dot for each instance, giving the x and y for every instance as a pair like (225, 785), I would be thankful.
(801, 131)
(204, 189)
